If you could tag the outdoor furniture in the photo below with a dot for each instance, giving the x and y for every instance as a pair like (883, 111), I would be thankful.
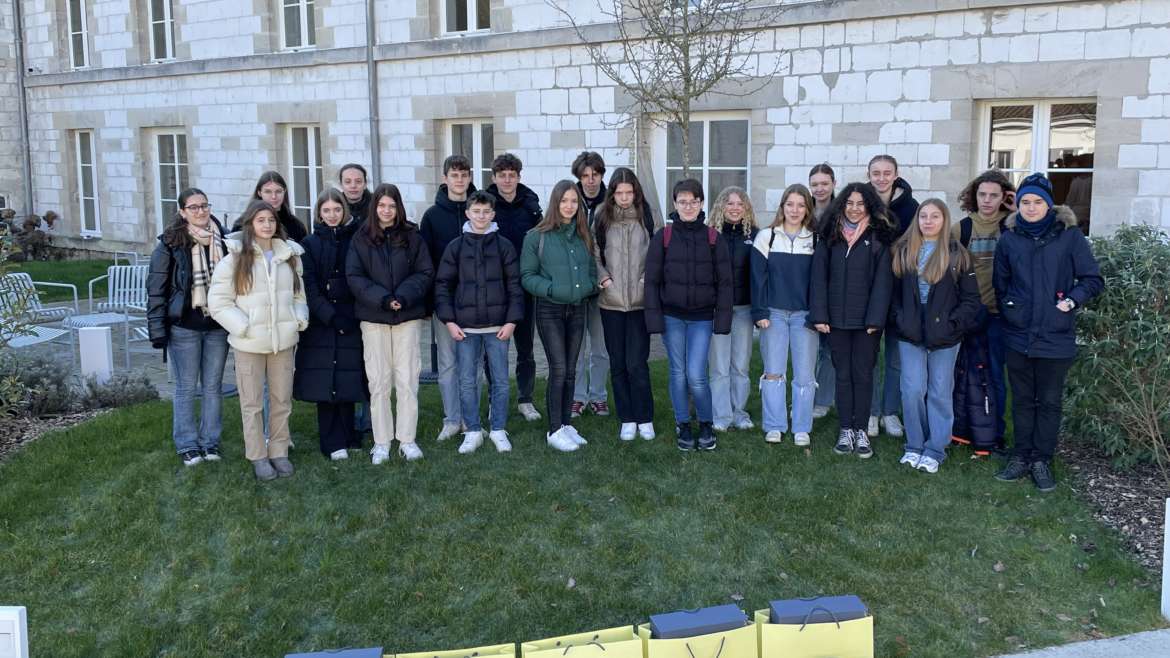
(18, 293)
(126, 293)
(35, 335)
(131, 258)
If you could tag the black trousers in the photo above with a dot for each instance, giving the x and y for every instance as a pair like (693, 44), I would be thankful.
(335, 426)
(854, 355)
(525, 362)
(1037, 391)
(628, 344)
(562, 328)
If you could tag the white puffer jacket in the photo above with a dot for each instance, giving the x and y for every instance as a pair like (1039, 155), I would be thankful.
(268, 318)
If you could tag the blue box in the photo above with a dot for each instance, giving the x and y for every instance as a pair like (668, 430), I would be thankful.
(372, 652)
(817, 610)
(702, 621)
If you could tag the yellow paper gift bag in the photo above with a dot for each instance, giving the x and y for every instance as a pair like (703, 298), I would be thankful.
(736, 643)
(847, 639)
(474, 652)
(619, 642)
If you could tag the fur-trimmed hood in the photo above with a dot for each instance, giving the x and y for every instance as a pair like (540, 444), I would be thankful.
(1064, 215)
(281, 249)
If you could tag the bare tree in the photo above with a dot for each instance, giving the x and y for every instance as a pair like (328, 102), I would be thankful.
(669, 53)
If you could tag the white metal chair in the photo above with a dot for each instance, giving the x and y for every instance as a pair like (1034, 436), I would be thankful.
(126, 294)
(18, 293)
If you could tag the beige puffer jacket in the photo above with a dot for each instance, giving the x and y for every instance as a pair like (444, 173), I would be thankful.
(626, 243)
(269, 317)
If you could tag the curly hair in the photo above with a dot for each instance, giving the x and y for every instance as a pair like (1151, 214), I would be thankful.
(879, 220)
(968, 200)
(717, 217)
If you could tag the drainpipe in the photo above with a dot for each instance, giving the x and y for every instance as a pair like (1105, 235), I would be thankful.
(372, 81)
(22, 111)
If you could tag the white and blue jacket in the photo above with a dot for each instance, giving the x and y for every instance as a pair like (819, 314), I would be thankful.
(781, 271)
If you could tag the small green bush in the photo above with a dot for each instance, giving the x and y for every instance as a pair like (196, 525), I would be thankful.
(121, 390)
(12, 397)
(45, 380)
(1119, 387)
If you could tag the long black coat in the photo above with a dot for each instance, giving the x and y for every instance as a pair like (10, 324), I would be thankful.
(329, 364)
(478, 282)
(379, 274)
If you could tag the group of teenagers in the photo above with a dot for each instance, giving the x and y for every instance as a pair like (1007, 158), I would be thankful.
(335, 316)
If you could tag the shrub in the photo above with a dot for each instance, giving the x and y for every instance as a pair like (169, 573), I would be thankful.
(120, 391)
(12, 397)
(45, 380)
(1119, 387)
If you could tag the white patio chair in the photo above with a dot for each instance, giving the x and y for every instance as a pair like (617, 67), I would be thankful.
(19, 291)
(126, 294)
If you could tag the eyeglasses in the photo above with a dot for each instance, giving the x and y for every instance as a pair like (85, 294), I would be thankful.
(688, 204)
(481, 212)
(203, 207)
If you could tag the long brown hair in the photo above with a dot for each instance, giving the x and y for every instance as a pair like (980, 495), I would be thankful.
(905, 250)
(247, 256)
(552, 214)
(802, 192)
(400, 229)
(604, 216)
(335, 195)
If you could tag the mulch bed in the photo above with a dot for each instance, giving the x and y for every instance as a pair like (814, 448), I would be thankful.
(1131, 502)
(15, 432)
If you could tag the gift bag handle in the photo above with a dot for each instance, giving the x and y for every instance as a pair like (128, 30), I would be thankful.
(594, 642)
(722, 641)
(820, 607)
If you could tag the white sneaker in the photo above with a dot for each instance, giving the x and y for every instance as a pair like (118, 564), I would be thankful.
(872, 430)
(911, 458)
(449, 430)
(499, 439)
(744, 423)
(529, 411)
(629, 432)
(410, 451)
(775, 436)
(801, 439)
(893, 426)
(574, 435)
(820, 411)
(719, 428)
(928, 464)
(560, 441)
(338, 455)
(471, 441)
(646, 431)
(380, 454)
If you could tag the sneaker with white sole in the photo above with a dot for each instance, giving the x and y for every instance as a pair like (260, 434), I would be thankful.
(574, 435)
(558, 440)
(449, 430)
(211, 454)
(646, 431)
(820, 411)
(192, 457)
(339, 455)
(872, 429)
(861, 445)
(380, 454)
(911, 458)
(893, 426)
(745, 423)
(528, 410)
(775, 436)
(576, 409)
(629, 432)
(928, 464)
(471, 441)
(801, 439)
(599, 408)
(719, 428)
(499, 439)
(410, 451)
(844, 444)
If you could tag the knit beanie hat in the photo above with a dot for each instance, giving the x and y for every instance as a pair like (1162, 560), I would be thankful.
(1036, 184)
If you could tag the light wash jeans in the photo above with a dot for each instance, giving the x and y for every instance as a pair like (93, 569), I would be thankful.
(687, 343)
(470, 354)
(787, 332)
(887, 396)
(197, 359)
(730, 360)
(593, 361)
(928, 381)
(447, 375)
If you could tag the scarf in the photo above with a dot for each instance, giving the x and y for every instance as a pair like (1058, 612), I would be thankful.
(1036, 229)
(203, 262)
(851, 232)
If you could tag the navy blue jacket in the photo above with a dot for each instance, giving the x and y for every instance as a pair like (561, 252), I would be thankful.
(951, 310)
(1032, 274)
(781, 271)
(739, 248)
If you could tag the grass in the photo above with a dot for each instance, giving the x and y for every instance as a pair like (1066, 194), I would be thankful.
(117, 549)
(77, 272)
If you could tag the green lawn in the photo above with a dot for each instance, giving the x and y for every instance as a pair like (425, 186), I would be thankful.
(77, 272)
(117, 549)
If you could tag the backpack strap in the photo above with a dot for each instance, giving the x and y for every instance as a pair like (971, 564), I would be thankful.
(666, 233)
(712, 236)
(771, 239)
(965, 228)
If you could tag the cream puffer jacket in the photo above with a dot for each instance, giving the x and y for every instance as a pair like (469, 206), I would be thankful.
(268, 318)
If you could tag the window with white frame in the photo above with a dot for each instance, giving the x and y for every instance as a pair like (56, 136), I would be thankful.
(719, 146)
(3, 201)
(305, 183)
(1053, 137)
(172, 175)
(162, 30)
(298, 24)
(466, 15)
(87, 196)
(78, 34)
(474, 140)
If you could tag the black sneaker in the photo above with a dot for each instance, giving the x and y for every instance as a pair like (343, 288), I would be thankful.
(706, 436)
(861, 446)
(686, 442)
(1042, 476)
(211, 454)
(844, 443)
(1015, 469)
(191, 457)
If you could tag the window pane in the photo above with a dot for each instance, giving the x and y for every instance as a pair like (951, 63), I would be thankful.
(461, 140)
(166, 148)
(157, 10)
(1011, 137)
(78, 50)
(75, 9)
(292, 26)
(317, 146)
(312, 21)
(182, 139)
(483, 14)
(300, 186)
(456, 15)
(83, 139)
(183, 178)
(300, 140)
(167, 185)
(159, 39)
(1072, 135)
(89, 215)
(718, 180)
(672, 176)
(317, 181)
(487, 145)
(674, 145)
(1074, 190)
(169, 210)
(729, 143)
(87, 181)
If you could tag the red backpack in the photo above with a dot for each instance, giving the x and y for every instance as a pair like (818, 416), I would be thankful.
(712, 238)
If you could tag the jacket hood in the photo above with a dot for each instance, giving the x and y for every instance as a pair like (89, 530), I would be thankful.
(282, 250)
(900, 190)
(444, 202)
(1064, 215)
(491, 228)
(525, 197)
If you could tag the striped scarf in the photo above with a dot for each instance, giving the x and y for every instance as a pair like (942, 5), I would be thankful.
(203, 262)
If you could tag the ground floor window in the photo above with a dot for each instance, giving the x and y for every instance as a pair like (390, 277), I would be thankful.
(305, 181)
(474, 140)
(719, 145)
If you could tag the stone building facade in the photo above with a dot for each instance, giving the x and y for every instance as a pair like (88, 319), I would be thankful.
(129, 101)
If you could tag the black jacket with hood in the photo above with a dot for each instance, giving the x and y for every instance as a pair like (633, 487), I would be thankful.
(443, 222)
(516, 217)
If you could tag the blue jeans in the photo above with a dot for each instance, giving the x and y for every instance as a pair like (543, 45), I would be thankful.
(787, 331)
(469, 354)
(687, 344)
(997, 353)
(730, 359)
(887, 398)
(197, 357)
(593, 361)
(447, 375)
(928, 381)
(826, 375)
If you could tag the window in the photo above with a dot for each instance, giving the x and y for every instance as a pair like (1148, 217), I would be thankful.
(719, 155)
(172, 176)
(1054, 137)
(87, 197)
(3, 202)
(162, 30)
(298, 25)
(474, 140)
(304, 148)
(466, 15)
(78, 34)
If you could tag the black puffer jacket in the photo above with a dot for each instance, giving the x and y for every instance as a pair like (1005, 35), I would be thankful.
(329, 364)
(952, 307)
(691, 279)
(443, 222)
(739, 247)
(399, 269)
(168, 289)
(294, 228)
(516, 217)
(851, 288)
(359, 211)
(903, 207)
(478, 282)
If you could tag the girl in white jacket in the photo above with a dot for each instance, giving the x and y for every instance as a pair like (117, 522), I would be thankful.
(257, 295)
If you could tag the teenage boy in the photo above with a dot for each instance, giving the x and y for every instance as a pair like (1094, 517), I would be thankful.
(593, 362)
(442, 223)
(479, 300)
(517, 211)
(353, 185)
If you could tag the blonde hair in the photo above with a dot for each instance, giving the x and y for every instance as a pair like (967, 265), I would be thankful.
(907, 247)
(717, 217)
(809, 204)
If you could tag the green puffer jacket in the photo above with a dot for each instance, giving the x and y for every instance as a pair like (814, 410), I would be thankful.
(561, 271)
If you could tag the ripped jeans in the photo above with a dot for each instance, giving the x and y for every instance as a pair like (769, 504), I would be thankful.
(787, 330)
